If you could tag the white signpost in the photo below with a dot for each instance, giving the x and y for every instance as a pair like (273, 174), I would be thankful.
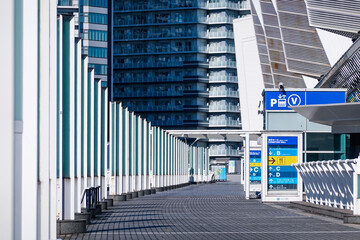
(280, 181)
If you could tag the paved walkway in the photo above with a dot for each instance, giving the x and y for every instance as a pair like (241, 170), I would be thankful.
(211, 211)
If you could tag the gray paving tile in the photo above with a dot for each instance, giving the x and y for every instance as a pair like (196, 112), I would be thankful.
(210, 211)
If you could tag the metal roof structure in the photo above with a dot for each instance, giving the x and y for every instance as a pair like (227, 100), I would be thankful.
(343, 117)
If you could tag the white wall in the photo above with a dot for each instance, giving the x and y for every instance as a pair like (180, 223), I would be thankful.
(249, 74)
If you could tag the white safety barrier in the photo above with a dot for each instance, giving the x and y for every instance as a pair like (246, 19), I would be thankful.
(329, 183)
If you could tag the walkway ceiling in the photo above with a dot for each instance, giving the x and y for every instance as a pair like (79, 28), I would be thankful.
(343, 117)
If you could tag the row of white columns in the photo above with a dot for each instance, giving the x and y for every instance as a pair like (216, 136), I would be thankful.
(54, 128)
(81, 124)
(144, 157)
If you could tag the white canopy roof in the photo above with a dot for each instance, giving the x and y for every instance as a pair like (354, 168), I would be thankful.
(343, 117)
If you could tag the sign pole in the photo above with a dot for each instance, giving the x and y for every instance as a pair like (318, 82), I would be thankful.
(247, 166)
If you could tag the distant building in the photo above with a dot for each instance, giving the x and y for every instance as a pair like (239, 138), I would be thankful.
(91, 25)
(174, 63)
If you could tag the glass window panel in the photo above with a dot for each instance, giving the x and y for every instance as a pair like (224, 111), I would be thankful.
(323, 142)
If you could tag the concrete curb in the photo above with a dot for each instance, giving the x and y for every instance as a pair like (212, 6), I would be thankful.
(323, 210)
(135, 194)
(104, 205)
(110, 202)
(70, 226)
(83, 216)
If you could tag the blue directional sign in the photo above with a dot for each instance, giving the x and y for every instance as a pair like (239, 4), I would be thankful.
(255, 167)
(282, 152)
(283, 100)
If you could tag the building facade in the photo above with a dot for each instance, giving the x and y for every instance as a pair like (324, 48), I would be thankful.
(91, 24)
(174, 63)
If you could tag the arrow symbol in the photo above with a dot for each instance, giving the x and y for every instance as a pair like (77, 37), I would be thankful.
(272, 160)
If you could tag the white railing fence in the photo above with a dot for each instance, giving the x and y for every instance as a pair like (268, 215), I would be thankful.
(329, 183)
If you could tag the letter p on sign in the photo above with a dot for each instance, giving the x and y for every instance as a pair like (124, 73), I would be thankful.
(272, 102)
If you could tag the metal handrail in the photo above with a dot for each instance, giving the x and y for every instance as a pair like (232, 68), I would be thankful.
(92, 197)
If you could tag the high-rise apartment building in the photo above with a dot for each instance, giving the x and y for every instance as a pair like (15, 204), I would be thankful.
(174, 63)
(91, 24)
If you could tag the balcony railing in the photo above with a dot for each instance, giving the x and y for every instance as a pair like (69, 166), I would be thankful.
(166, 122)
(151, 94)
(156, 108)
(223, 93)
(224, 152)
(149, 79)
(163, 5)
(221, 64)
(130, 21)
(221, 49)
(229, 108)
(221, 34)
(224, 4)
(232, 79)
(221, 123)
(148, 65)
(216, 20)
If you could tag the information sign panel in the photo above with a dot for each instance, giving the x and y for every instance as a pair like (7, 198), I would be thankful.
(220, 173)
(231, 168)
(280, 181)
(282, 152)
(255, 167)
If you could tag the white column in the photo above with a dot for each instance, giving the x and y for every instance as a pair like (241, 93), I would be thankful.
(26, 81)
(132, 142)
(104, 182)
(7, 61)
(149, 170)
(139, 153)
(68, 46)
(97, 126)
(120, 149)
(53, 120)
(84, 123)
(43, 212)
(126, 177)
(59, 183)
(145, 154)
(90, 132)
(77, 101)
(112, 149)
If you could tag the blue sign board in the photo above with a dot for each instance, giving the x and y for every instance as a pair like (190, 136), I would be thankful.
(222, 175)
(255, 167)
(283, 100)
(282, 152)
(282, 141)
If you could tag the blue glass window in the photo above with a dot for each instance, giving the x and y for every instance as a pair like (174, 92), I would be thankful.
(98, 18)
(98, 52)
(96, 3)
(100, 69)
(97, 35)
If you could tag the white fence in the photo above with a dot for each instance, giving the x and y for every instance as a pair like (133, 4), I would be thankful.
(329, 183)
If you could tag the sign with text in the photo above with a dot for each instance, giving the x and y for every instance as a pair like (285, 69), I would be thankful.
(283, 100)
(255, 167)
(282, 152)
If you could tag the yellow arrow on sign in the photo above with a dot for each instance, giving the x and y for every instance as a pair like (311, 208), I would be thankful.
(282, 161)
